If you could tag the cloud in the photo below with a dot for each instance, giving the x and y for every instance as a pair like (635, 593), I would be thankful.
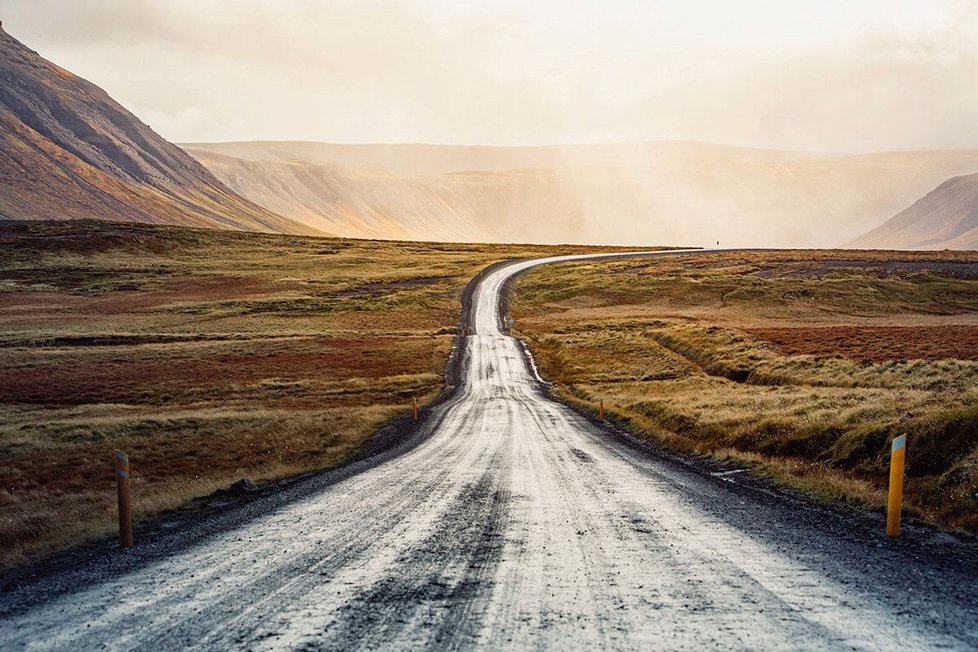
(833, 75)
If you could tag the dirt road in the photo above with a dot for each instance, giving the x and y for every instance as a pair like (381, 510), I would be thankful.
(515, 523)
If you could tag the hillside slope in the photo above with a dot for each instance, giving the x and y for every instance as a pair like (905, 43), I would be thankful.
(68, 150)
(684, 192)
(945, 218)
(352, 201)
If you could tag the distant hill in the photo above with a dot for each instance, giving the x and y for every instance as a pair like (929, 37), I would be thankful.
(352, 201)
(424, 159)
(67, 150)
(945, 218)
(653, 193)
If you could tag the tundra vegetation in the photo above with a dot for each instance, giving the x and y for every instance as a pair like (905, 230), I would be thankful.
(800, 364)
(208, 356)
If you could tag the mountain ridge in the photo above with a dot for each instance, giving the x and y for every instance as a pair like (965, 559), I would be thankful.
(68, 150)
(688, 192)
(944, 218)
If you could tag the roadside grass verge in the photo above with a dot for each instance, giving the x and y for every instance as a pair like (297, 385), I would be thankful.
(208, 356)
(676, 348)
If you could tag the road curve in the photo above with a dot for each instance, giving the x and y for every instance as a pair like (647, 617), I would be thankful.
(517, 524)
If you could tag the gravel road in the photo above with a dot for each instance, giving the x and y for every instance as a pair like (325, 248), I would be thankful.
(515, 523)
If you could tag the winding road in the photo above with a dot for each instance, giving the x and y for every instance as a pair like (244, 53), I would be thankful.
(515, 523)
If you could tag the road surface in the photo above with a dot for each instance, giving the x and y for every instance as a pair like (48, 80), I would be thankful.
(516, 524)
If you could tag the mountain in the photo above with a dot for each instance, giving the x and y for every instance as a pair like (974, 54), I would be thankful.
(353, 201)
(425, 159)
(68, 150)
(945, 218)
(655, 192)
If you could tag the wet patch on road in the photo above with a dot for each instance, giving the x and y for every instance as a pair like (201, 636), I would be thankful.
(441, 585)
(581, 455)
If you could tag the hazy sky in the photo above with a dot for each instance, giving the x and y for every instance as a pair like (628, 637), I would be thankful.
(846, 75)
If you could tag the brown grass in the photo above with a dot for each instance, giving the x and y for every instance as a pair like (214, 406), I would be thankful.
(801, 364)
(875, 343)
(208, 356)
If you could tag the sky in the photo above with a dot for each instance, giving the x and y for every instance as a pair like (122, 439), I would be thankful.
(828, 75)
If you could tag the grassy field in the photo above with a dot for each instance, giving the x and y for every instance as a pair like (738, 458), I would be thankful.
(803, 364)
(208, 356)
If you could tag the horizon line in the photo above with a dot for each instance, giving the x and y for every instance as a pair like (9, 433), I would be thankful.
(608, 143)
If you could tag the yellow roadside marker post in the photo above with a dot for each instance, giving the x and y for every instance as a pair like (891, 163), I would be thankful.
(415, 400)
(894, 506)
(601, 410)
(125, 499)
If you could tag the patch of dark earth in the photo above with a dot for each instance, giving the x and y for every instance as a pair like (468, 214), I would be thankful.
(959, 270)
(374, 290)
